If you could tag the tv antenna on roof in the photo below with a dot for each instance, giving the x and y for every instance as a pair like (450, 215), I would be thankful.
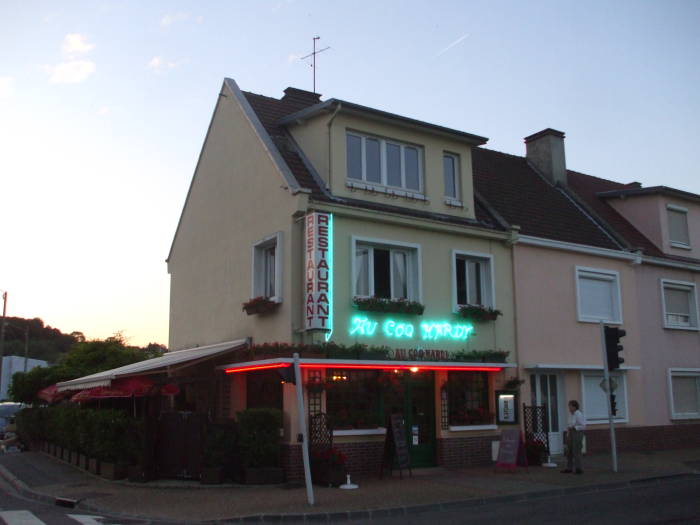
(313, 64)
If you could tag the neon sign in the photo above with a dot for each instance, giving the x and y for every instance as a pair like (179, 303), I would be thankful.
(318, 270)
(362, 326)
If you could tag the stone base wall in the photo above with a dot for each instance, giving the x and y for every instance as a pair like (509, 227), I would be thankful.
(639, 439)
(465, 451)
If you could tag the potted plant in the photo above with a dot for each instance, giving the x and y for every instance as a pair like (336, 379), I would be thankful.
(111, 428)
(328, 467)
(259, 305)
(478, 313)
(535, 450)
(259, 443)
(217, 448)
(396, 306)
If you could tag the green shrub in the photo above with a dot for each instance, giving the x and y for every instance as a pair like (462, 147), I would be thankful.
(259, 436)
(31, 424)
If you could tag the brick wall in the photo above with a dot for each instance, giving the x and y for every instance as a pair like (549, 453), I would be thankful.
(364, 457)
(465, 451)
(645, 438)
(292, 462)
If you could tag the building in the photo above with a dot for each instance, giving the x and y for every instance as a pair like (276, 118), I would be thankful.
(11, 364)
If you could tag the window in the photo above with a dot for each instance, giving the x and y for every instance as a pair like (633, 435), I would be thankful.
(598, 295)
(468, 399)
(685, 393)
(384, 162)
(595, 399)
(473, 283)
(450, 170)
(679, 304)
(267, 268)
(385, 270)
(678, 226)
(353, 399)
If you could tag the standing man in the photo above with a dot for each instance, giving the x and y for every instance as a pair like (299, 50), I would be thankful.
(574, 438)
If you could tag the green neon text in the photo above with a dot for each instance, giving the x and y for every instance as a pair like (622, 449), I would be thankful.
(429, 330)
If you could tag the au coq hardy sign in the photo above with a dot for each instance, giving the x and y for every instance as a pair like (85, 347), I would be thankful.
(318, 271)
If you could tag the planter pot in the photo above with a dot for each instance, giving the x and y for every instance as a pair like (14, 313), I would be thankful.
(45, 446)
(94, 466)
(328, 475)
(112, 470)
(82, 461)
(212, 475)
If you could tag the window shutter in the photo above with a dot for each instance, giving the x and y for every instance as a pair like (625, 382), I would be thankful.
(678, 226)
(685, 394)
(677, 301)
(596, 297)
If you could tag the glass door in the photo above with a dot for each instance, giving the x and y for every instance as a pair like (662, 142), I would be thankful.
(545, 391)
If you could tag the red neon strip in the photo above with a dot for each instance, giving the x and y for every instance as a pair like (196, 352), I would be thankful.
(259, 367)
(403, 367)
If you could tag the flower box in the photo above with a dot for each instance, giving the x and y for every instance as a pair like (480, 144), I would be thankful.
(260, 305)
(478, 313)
(394, 306)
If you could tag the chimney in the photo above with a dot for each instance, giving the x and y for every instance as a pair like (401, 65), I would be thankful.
(299, 98)
(545, 150)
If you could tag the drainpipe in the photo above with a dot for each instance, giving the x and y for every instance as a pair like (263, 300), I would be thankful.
(330, 145)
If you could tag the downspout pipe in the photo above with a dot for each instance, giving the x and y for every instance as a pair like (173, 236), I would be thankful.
(338, 107)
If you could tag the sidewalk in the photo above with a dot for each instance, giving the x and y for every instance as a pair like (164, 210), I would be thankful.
(40, 475)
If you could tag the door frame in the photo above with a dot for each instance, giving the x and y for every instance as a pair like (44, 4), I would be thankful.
(556, 439)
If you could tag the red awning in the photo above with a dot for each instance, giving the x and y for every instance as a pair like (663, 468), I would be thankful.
(50, 394)
(137, 386)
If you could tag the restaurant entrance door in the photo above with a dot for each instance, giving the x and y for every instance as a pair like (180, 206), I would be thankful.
(417, 404)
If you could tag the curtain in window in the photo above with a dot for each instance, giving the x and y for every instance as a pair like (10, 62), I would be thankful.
(686, 394)
(269, 286)
(474, 295)
(399, 270)
(362, 271)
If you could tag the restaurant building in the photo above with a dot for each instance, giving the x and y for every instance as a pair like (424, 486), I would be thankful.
(355, 238)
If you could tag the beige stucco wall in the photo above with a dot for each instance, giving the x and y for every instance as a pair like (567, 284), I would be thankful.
(237, 198)
(314, 138)
(436, 264)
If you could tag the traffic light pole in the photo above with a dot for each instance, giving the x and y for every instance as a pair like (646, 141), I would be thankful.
(606, 372)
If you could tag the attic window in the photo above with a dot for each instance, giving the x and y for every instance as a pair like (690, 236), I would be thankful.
(384, 162)
(678, 226)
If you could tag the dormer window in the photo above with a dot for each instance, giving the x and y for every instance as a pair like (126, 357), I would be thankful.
(384, 162)
(678, 226)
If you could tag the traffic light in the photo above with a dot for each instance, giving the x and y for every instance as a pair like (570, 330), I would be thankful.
(613, 346)
(613, 405)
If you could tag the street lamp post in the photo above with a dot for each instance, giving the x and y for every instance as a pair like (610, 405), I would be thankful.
(2, 331)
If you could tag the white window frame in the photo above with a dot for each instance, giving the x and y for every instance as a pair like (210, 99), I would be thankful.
(680, 285)
(415, 282)
(457, 199)
(681, 372)
(383, 162)
(621, 378)
(474, 255)
(258, 266)
(602, 274)
(680, 209)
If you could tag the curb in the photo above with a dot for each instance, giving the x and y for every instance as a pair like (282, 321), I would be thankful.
(356, 515)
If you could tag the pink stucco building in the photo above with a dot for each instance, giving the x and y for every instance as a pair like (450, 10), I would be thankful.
(588, 250)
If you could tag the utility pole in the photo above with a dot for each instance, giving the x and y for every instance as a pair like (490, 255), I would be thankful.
(2, 331)
(608, 391)
(26, 346)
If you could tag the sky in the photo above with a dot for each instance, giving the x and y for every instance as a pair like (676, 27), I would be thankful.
(104, 106)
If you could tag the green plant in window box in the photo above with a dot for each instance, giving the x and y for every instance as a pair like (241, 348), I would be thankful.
(260, 305)
(481, 356)
(394, 306)
(478, 313)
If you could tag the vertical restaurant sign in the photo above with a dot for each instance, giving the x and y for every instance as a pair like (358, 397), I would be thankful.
(318, 271)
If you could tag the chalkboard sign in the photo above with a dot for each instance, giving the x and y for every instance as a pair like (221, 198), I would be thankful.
(396, 446)
(511, 451)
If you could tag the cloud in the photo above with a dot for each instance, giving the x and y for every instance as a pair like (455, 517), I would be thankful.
(104, 110)
(199, 19)
(170, 18)
(75, 43)
(453, 44)
(7, 87)
(159, 64)
(293, 57)
(71, 72)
